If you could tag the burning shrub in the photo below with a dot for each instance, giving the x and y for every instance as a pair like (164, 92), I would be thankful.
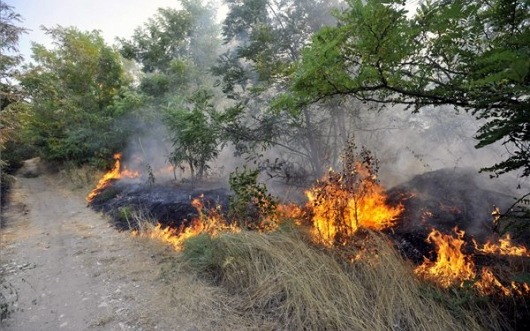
(345, 201)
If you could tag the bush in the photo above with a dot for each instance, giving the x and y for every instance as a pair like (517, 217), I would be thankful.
(252, 206)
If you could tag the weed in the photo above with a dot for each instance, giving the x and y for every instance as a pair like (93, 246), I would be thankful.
(251, 206)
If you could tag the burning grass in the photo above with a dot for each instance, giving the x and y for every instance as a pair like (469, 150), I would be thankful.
(115, 173)
(453, 267)
(211, 224)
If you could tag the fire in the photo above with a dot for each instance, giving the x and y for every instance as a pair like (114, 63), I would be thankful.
(452, 266)
(504, 247)
(174, 237)
(488, 283)
(339, 207)
(114, 173)
(211, 222)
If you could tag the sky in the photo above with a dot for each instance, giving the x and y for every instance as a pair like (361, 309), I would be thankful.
(115, 18)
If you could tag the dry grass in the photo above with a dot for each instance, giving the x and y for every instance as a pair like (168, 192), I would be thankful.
(277, 281)
(79, 179)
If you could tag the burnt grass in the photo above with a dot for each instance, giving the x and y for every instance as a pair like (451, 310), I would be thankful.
(441, 200)
(168, 204)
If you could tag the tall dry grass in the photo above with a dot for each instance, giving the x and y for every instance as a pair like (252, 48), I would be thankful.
(281, 282)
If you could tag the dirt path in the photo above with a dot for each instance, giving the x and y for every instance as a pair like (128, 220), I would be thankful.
(72, 271)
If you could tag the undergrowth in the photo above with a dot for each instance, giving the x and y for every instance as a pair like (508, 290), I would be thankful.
(287, 281)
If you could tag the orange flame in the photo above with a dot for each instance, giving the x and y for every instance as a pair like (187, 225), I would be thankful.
(452, 266)
(211, 223)
(338, 212)
(174, 237)
(504, 247)
(488, 283)
(114, 173)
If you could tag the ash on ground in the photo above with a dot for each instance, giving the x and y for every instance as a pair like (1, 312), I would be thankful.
(169, 204)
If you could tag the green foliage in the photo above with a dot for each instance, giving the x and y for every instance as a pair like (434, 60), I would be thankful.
(15, 142)
(252, 206)
(201, 251)
(195, 133)
(72, 89)
(470, 55)
(13, 149)
(266, 38)
(162, 38)
(10, 57)
(269, 36)
(175, 49)
(458, 300)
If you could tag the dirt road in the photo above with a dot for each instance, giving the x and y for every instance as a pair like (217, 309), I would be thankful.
(64, 268)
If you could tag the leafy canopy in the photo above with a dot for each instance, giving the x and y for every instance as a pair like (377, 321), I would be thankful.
(10, 58)
(175, 49)
(472, 55)
(72, 88)
(12, 147)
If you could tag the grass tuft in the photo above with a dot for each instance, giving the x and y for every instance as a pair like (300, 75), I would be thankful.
(286, 281)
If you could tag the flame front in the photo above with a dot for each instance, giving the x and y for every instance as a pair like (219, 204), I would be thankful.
(114, 173)
(453, 267)
(504, 247)
(210, 223)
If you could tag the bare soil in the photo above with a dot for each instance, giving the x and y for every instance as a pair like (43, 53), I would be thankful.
(63, 267)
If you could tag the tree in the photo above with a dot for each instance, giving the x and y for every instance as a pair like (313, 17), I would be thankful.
(265, 38)
(195, 133)
(10, 59)
(472, 55)
(71, 90)
(11, 108)
(175, 50)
